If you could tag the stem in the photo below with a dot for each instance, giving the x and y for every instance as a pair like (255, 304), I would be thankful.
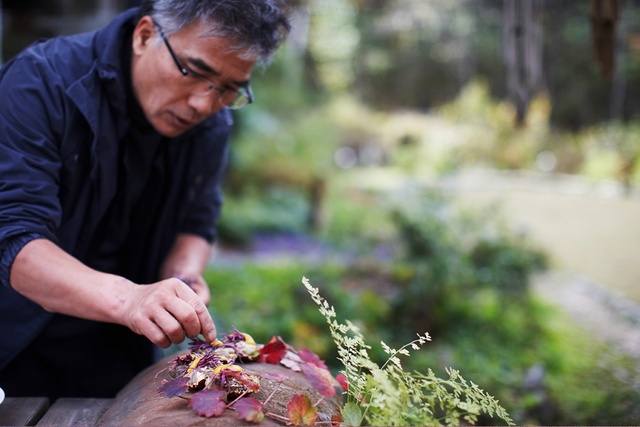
(230, 404)
(271, 395)
(318, 402)
(278, 417)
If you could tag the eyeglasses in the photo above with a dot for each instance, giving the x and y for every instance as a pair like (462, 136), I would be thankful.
(231, 98)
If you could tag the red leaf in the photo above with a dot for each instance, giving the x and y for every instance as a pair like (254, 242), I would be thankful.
(301, 411)
(336, 420)
(274, 376)
(208, 403)
(174, 387)
(251, 382)
(320, 379)
(310, 357)
(249, 409)
(273, 351)
(343, 382)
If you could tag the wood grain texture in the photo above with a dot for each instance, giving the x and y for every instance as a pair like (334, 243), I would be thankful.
(75, 412)
(23, 411)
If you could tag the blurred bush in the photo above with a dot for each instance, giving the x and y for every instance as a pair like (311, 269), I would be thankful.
(456, 255)
(464, 277)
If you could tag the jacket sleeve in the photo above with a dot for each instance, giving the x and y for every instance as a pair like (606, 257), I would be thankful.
(31, 114)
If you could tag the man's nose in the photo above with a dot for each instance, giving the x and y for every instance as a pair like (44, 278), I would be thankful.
(205, 105)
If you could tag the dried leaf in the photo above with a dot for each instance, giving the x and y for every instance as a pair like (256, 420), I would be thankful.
(174, 387)
(320, 379)
(301, 411)
(292, 361)
(250, 382)
(342, 380)
(275, 377)
(249, 409)
(208, 403)
(310, 357)
(273, 351)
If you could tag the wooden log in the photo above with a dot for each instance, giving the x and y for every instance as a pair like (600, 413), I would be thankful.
(75, 412)
(139, 403)
(22, 411)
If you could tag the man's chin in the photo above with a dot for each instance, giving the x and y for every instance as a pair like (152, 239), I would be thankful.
(172, 128)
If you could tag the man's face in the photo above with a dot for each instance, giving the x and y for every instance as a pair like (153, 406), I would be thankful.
(170, 101)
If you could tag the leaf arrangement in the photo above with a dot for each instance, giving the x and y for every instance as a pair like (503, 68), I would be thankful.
(213, 378)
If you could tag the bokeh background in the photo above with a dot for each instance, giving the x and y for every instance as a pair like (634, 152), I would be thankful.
(467, 168)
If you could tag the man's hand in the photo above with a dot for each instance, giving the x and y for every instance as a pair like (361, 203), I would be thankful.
(166, 312)
(199, 286)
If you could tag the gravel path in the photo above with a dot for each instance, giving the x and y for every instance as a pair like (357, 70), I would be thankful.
(609, 316)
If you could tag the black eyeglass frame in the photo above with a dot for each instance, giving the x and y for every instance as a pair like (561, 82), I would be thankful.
(249, 95)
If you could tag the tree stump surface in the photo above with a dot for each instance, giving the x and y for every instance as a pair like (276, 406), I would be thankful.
(139, 402)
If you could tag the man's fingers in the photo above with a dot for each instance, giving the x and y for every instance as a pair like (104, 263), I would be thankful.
(206, 322)
(167, 311)
(203, 323)
(155, 334)
(171, 327)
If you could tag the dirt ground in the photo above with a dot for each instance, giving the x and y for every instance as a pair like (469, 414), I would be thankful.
(586, 229)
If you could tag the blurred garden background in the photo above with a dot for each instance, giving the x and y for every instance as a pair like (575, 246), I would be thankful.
(466, 168)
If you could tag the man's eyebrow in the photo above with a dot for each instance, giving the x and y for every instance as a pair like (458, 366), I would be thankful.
(203, 66)
(208, 69)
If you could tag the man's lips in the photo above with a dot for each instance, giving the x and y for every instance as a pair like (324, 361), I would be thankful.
(181, 122)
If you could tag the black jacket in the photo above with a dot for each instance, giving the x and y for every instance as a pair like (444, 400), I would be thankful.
(63, 112)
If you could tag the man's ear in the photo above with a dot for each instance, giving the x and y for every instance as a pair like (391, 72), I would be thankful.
(143, 34)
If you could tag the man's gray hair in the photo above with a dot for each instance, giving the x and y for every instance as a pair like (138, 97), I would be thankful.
(255, 26)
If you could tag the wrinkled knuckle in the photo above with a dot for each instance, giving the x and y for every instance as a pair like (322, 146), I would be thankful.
(174, 330)
(199, 306)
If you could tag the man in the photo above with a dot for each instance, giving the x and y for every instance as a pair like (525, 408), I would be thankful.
(112, 146)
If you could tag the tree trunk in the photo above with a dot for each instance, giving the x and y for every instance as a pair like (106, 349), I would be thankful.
(604, 14)
(522, 52)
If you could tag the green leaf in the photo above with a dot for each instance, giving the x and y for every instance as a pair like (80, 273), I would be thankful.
(351, 414)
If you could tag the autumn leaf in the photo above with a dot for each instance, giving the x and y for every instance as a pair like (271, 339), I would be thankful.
(273, 351)
(320, 379)
(310, 357)
(208, 403)
(275, 377)
(174, 387)
(292, 361)
(249, 409)
(249, 381)
(301, 412)
(342, 380)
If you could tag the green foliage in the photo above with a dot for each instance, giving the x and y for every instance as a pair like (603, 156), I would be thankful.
(267, 300)
(589, 381)
(448, 253)
(612, 151)
(388, 395)
(270, 210)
